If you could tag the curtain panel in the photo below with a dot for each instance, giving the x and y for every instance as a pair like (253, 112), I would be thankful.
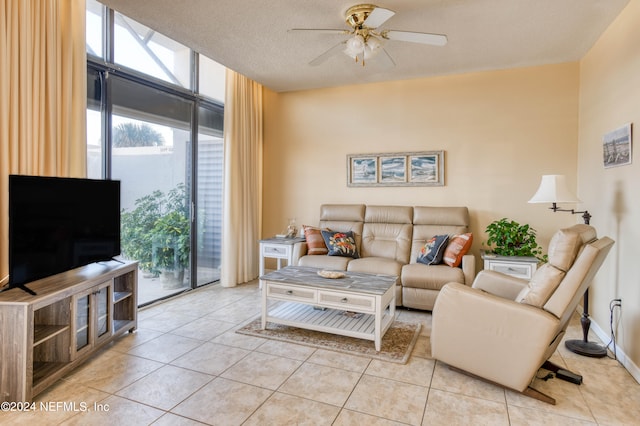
(242, 217)
(42, 95)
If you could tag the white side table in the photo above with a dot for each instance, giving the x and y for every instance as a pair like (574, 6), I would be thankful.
(516, 266)
(277, 248)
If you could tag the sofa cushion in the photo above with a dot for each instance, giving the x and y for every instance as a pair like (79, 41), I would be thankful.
(433, 251)
(340, 243)
(334, 263)
(315, 242)
(376, 265)
(458, 246)
(542, 285)
(432, 277)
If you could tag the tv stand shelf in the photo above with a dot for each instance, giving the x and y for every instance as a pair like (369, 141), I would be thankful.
(74, 313)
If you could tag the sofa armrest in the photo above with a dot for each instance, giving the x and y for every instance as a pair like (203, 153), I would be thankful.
(498, 284)
(491, 337)
(299, 250)
(468, 268)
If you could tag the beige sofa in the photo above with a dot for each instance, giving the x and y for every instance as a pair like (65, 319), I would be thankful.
(389, 239)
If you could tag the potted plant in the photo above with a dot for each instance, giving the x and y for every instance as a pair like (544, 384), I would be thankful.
(171, 248)
(509, 238)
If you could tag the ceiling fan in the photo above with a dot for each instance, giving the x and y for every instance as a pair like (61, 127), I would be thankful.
(366, 37)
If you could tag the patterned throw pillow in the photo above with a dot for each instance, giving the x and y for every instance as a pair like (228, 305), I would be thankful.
(433, 250)
(315, 242)
(340, 243)
(458, 247)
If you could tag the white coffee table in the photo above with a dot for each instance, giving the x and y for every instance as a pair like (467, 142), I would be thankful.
(358, 305)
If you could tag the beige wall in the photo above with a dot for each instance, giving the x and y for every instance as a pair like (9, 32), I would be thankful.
(609, 98)
(500, 132)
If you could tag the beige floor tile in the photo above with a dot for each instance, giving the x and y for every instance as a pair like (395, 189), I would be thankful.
(223, 402)
(166, 321)
(112, 371)
(416, 371)
(170, 419)
(389, 399)
(130, 340)
(264, 370)
(203, 329)
(165, 387)
(231, 338)
(116, 411)
(422, 348)
(446, 379)
(237, 313)
(211, 358)
(281, 409)
(285, 349)
(350, 418)
(165, 348)
(57, 404)
(519, 416)
(320, 383)
(341, 360)
(455, 409)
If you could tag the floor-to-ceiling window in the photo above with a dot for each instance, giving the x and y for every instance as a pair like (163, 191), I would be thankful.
(154, 122)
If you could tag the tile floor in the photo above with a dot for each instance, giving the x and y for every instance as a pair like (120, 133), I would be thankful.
(186, 366)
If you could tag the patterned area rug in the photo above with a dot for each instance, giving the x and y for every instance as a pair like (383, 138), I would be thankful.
(397, 343)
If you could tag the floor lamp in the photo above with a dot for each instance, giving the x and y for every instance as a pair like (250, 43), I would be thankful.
(553, 189)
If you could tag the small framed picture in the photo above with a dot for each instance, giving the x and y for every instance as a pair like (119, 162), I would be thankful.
(362, 171)
(393, 169)
(616, 147)
(426, 168)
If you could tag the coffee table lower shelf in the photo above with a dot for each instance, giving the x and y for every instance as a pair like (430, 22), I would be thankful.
(335, 321)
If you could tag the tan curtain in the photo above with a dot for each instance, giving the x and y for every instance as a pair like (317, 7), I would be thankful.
(42, 95)
(242, 180)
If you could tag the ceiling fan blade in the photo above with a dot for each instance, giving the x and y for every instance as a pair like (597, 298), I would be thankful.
(424, 38)
(320, 30)
(329, 53)
(378, 17)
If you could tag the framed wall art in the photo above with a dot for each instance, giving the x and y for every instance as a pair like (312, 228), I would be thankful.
(616, 147)
(396, 169)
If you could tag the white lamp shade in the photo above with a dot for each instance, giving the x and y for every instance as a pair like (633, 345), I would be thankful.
(553, 189)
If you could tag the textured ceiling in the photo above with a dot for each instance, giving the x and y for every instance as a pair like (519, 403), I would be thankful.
(251, 37)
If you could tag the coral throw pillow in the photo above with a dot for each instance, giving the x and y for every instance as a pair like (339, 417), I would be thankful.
(315, 242)
(340, 243)
(433, 250)
(458, 247)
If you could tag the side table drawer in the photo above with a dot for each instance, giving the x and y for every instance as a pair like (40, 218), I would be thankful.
(275, 251)
(347, 301)
(292, 293)
(519, 270)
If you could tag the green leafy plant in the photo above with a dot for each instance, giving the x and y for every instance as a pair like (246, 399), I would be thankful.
(158, 222)
(509, 238)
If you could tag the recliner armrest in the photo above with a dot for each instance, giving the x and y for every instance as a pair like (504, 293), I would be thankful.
(468, 268)
(498, 284)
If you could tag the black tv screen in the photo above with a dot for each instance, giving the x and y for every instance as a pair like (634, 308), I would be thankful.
(58, 224)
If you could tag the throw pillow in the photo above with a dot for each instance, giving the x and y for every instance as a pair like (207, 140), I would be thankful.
(340, 243)
(433, 250)
(315, 242)
(458, 246)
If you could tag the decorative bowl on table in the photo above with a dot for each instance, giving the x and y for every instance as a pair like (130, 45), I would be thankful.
(331, 274)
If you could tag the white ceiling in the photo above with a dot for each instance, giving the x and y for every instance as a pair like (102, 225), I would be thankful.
(251, 36)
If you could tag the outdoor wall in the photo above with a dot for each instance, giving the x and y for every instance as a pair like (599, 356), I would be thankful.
(610, 98)
(500, 131)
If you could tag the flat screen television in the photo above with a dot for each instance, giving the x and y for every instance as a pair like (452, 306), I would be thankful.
(58, 224)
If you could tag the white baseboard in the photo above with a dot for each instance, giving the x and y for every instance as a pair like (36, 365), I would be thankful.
(622, 357)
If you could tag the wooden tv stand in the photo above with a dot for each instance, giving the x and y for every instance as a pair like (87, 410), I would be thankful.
(74, 313)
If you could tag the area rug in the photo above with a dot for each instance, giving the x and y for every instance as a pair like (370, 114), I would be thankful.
(397, 343)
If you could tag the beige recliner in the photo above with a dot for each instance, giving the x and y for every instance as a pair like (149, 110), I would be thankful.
(503, 329)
